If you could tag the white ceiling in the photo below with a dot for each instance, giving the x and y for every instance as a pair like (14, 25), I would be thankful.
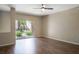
(29, 8)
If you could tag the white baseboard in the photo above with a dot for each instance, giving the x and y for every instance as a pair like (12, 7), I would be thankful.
(7, 44)
(75, 43)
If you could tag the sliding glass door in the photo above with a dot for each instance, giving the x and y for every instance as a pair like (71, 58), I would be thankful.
(23, 29)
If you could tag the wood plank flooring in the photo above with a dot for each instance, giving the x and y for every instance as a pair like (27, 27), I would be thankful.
(40, 46)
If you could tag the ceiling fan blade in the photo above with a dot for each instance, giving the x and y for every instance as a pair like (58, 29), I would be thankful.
(37, 8)
(49, 8)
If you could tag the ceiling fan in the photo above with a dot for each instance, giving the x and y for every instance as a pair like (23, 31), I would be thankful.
(43, 7)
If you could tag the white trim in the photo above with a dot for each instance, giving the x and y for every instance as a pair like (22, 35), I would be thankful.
(75, 43)
(7, 44)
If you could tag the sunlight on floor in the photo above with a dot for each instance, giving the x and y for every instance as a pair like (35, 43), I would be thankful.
(25, 46)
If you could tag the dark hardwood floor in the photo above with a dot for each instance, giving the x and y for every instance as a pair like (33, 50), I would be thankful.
(40, 46)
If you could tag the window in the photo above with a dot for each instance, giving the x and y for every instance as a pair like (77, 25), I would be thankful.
(23, 28)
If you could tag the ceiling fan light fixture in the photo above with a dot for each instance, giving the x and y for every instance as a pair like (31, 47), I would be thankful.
(43, 9)
(43, 6)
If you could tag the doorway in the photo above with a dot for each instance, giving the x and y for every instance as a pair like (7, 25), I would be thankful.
(23, 29)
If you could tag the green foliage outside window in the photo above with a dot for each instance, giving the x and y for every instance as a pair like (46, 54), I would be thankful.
(22, 21)
(18, 33)
(29, 33)
(22, 28)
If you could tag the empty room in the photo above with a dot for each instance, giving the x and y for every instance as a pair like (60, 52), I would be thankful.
(39, 28)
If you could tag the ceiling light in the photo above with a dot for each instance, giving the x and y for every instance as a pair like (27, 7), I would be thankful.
(43, 6)
(43, 9)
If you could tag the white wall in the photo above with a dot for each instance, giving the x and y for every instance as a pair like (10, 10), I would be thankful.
(63, 26)
(5, 29)
(0, 20)
(4, 22)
